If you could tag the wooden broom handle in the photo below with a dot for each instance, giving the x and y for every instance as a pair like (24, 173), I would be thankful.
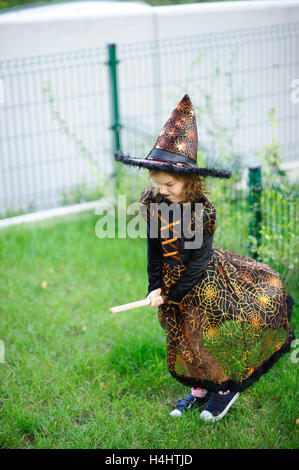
(138, 303)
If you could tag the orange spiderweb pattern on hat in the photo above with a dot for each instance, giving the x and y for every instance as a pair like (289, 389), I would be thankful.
(179, 134)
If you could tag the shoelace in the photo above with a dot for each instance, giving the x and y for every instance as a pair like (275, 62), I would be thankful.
(186, 402)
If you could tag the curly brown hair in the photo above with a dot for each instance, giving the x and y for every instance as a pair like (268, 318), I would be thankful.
(195, 185)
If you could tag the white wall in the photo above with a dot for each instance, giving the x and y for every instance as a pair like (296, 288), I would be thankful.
(223, 16)
(72, 26)
(65, 27)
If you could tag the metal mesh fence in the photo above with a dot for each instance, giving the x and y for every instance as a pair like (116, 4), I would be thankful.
(239, 82)
(53, 123)
(56, 119)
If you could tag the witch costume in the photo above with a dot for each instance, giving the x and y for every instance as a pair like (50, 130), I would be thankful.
(226, 315)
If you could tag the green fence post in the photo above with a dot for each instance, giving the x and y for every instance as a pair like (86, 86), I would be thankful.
(116, 126)
(255, 196)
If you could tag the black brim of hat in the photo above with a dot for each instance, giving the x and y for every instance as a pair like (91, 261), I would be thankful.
(165, 166)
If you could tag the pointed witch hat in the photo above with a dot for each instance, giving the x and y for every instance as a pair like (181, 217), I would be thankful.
(176, 147)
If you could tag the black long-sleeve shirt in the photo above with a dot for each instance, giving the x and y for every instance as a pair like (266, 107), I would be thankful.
(196, 265)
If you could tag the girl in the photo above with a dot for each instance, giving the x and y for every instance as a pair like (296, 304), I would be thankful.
(226, 315)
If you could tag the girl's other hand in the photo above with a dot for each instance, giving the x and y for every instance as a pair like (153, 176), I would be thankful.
(155, 298)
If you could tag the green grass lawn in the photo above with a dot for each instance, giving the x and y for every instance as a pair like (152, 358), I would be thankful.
(77, 377)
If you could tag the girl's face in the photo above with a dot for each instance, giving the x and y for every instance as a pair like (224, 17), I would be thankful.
(169, 186)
